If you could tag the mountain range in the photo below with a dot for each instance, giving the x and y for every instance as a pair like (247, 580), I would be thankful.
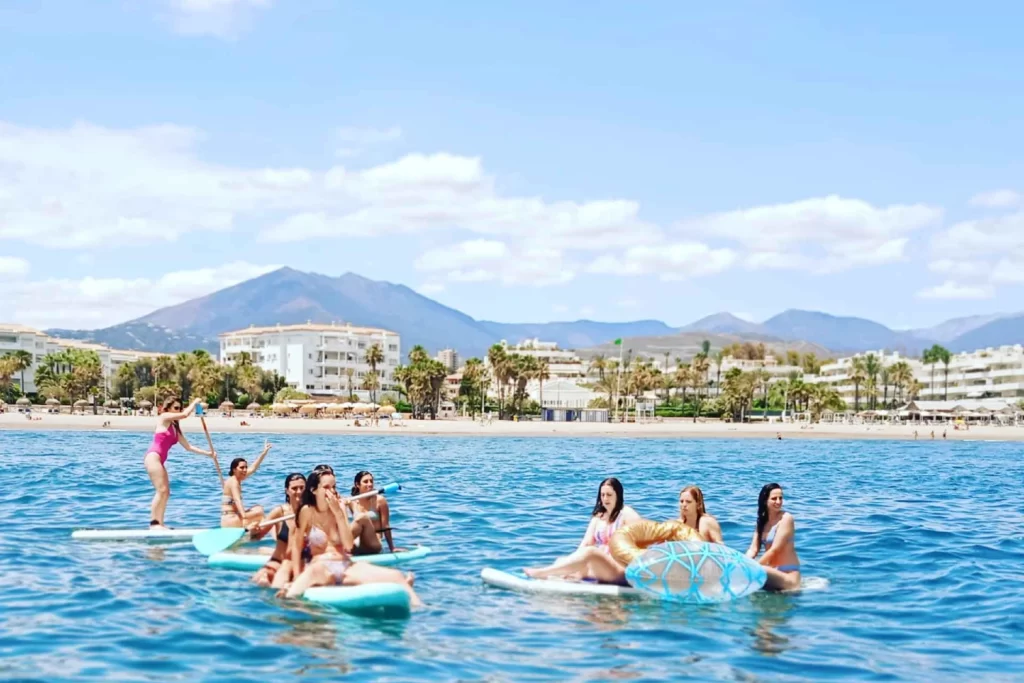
(289, 296)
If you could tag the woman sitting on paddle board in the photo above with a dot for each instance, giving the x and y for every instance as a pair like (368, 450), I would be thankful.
(276, 573)
(324, 529)
(376, 509)
(775, 531)
(695, 516)
(592, 558)
(232, 511)
(168, 433)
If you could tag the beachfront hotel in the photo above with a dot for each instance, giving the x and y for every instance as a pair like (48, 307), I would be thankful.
(316, 358)
(562, 363)
(22, 338)
(985, 373)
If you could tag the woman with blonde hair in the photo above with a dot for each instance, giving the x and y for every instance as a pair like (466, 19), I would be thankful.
(695, 515)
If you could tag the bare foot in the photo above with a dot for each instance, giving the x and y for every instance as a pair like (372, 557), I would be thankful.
(410, 578)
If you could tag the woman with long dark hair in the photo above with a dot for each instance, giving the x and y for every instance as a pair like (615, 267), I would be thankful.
(695, 515)
(376, 509)
(324, 532)
(775, 532)
(592, 558)
(277, 571)
(167, 433)
(232, 509)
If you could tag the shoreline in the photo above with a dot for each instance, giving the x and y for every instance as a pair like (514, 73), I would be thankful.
(683, 428)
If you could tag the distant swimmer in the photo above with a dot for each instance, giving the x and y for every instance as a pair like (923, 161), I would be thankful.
(168, 433)
(695, 516)
(775, 533)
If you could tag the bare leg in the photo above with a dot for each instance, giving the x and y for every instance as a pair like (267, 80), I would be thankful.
(315, 574)
(283, 575)
(161, 485)
(364, 572)
(586, 561)
(363, 529)
(781, 581)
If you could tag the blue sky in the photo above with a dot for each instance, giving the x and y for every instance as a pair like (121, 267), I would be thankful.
(518, 161)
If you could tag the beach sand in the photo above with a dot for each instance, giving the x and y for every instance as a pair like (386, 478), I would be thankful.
(682, 428)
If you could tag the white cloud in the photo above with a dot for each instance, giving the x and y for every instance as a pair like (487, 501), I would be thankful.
(1009, 271)
(962, 269)
(94, 302)
(983, 237)
(951, 290)
(996, 199)
(670, 262)
(13, 267)
(489, 260)
(627, 302)
(350, 141)
(218, 18)
(824, 234)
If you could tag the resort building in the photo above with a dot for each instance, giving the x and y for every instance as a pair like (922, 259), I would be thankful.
(562, 363)
(982, 374)
(39, 344)
(449, 358)
(316, 358)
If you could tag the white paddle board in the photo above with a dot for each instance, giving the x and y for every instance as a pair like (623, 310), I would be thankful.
(524, 584)
(151, 535)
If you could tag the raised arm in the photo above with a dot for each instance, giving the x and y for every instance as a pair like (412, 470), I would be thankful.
(341, 519)
(259, 460)
(167, 418)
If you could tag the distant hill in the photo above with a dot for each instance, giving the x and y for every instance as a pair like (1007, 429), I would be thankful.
(1008, 330)
(289, 296)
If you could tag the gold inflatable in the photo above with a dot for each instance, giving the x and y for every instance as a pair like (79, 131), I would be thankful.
(628, 543)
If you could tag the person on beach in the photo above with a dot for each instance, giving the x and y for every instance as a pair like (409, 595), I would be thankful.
(276, 573)
(168, 432)
(775, 532)
(592, 559)
(376, 509)
(324, 529)
(232, 510)
(695, 516)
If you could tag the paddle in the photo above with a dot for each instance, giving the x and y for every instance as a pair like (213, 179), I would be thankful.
(220, 475)
(213, 541)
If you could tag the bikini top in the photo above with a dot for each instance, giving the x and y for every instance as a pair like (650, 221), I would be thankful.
(604, 535)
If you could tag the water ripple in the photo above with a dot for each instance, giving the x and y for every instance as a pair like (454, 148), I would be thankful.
(915, 547)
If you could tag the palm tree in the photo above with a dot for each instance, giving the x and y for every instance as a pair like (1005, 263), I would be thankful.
(541, 372)
(872, 367)
(858, 375)
(374, 357)
(21, 361)
(931, 357)
(349, 372)
(944, 357)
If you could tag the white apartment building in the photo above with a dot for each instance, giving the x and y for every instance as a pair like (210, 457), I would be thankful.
(21, 338)
(315, 357)
(448, 358)
(985, 373)
(562, 363)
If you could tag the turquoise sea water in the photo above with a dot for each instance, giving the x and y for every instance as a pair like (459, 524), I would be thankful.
(922, 545)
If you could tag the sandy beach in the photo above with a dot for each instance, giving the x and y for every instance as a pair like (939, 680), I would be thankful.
(669, 428)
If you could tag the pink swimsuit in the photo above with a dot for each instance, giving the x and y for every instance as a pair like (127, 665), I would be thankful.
(603, 536)
(162, 442)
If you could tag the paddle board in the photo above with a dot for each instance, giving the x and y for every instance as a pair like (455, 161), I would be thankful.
(150, 535)
(524, 584)
(253, 561)
(382, 598)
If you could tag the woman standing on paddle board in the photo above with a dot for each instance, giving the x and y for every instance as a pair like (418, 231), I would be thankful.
(775, 532)
(277, 571)
(232, 510)
(695, 516)
(168, 432)
(376, 509)
(592, 558)
(323, 528)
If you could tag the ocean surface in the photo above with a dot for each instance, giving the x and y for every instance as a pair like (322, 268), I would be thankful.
(915, 551)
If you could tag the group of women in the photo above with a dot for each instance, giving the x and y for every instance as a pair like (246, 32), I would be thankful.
(773, 539)
(315, 537)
